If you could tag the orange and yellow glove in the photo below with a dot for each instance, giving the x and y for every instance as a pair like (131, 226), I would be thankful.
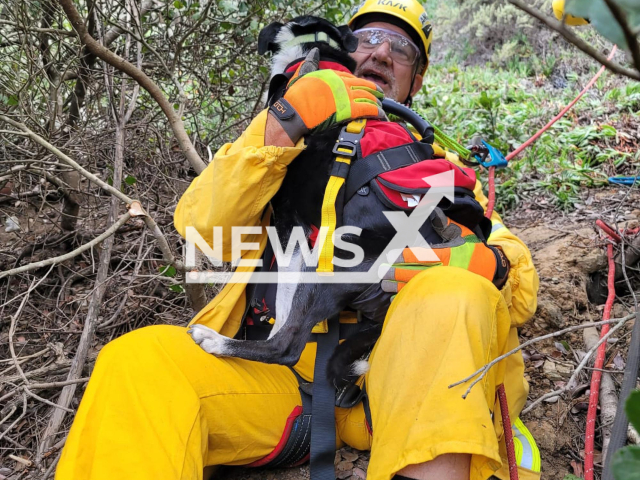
(466, 251)
(320, 99)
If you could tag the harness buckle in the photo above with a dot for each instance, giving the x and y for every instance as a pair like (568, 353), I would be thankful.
(347, 143)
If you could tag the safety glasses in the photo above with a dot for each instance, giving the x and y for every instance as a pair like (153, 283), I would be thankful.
(402, 50)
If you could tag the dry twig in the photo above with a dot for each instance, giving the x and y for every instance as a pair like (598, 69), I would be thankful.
(572, 381)
(483, 371)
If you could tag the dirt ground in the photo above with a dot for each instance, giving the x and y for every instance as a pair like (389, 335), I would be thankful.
(565, 248)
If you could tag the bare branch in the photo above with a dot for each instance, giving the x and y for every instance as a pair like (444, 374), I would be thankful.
(57, 31)
(139, 76)
(41, 386)
(12, 329)
(482, 371)
(577, 41)
(52, 261)
(38, 139)
(572, 381)
(15, 422)
(632, 43)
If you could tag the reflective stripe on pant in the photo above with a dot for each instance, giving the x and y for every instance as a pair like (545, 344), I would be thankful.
(527, 453)
(158, 406)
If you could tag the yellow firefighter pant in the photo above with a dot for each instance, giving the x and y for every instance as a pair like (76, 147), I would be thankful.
(159, 407)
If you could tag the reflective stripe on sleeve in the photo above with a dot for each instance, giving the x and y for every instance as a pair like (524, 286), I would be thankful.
(496, 226)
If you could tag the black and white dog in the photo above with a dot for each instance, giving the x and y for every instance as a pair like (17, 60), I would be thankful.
(298, 203)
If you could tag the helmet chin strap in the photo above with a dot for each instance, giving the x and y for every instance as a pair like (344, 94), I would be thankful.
(409, 100)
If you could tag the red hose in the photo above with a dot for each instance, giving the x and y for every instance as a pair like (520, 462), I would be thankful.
(597, 373)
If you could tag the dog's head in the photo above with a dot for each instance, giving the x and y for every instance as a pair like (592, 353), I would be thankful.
(292, 41)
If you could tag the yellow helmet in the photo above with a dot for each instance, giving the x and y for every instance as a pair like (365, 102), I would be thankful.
(558, 11)
(410, 12)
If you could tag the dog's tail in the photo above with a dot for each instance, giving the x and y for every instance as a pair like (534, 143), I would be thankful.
(349, 360)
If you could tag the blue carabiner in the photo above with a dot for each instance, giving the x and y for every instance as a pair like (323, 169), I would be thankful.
(496, 158)
(624, 180)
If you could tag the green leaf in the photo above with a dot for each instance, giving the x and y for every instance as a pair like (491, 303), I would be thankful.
(12, 100)
(129, 180)
(626, 463)
(177, 288)
(632, 10)
(178, 4)
(632, 407)
(571, 477)
(167, 270)
(485, 101)
(603, 20)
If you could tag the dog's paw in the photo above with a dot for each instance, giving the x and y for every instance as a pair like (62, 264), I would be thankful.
(209, 340)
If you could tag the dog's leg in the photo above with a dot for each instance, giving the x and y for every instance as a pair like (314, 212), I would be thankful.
(284, 348)
(286, 293)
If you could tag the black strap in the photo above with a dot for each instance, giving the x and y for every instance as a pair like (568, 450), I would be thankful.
(323, 418)
(366, 169)
(367, 407)
(297, 446)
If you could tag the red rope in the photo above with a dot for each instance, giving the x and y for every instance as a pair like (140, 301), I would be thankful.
(492, 192)
(563, 111)
(517, 151)
(508, 434)
(597, 373)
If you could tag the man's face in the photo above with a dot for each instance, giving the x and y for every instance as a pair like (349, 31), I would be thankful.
(377, 66)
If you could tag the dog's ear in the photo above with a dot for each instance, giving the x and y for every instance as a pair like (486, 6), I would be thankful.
(267, 38)
(311, 62)
(349, 40)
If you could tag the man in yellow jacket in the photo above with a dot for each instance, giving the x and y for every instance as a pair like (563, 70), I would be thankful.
(159, 407)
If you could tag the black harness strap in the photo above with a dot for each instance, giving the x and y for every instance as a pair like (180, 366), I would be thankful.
(366, 169)
(297, 446)
(367, 408)
(323, 418)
